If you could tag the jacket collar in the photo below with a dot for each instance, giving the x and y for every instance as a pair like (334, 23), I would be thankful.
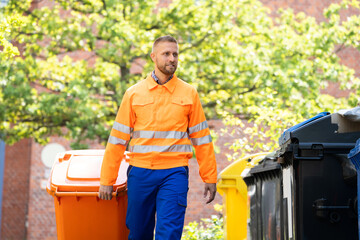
(170, 85)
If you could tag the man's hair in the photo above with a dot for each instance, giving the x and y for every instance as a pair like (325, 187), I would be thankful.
(166, 38)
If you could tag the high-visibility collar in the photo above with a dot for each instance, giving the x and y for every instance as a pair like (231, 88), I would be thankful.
(170, 85)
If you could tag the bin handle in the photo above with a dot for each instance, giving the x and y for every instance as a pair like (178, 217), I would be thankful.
(319, 157)
(81, 194)
(296, 156)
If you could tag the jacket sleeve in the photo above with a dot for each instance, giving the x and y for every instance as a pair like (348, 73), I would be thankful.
(201, 139)
(117, 142)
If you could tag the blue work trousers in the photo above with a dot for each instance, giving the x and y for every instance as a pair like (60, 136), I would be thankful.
(162, 193)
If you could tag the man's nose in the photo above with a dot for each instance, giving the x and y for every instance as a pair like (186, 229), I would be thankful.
(171, 58)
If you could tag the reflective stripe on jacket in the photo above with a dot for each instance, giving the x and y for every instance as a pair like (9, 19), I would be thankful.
(163, 121)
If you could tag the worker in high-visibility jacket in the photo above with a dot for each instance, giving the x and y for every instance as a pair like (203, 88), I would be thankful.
(162, 115)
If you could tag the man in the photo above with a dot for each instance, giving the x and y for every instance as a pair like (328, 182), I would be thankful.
(164, 114)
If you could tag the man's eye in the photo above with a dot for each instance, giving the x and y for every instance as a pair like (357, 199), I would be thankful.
(175, 54)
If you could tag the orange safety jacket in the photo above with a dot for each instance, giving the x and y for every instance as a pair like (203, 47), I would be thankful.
(162, 119)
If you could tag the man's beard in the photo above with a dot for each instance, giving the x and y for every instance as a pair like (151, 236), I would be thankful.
(166, 71)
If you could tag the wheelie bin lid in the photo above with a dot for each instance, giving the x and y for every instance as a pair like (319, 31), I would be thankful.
(285, 136)
(268, 168)
(231, 176)
(79, 171)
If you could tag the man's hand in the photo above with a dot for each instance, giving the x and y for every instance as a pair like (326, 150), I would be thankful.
(210, 187)
(105, 192)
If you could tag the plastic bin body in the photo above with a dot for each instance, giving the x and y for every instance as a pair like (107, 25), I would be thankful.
(80, 214)
(322, 190)
(265, 201)
(325, 202)
(234, 192)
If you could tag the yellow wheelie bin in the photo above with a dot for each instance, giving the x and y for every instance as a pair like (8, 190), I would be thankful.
(233, 189)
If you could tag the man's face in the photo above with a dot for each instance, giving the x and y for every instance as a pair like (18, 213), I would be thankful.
(165, 57)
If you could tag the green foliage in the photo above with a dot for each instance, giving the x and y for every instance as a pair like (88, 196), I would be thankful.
(7, 25)
(207, 229)
(242, 62)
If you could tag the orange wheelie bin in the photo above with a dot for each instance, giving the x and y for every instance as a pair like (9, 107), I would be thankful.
(74, 182)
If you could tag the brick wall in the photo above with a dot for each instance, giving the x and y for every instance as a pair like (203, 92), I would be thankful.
(41, 214)
(16, 190)
(312, 8)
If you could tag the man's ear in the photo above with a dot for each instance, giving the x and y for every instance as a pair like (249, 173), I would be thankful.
(152, 55)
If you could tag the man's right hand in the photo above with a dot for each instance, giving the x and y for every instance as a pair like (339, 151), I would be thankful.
(105, 192)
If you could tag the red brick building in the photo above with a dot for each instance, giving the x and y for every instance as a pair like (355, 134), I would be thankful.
(27, 211)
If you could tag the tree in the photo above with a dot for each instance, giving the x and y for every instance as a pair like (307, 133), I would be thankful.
(241, 61)
(7, 23)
